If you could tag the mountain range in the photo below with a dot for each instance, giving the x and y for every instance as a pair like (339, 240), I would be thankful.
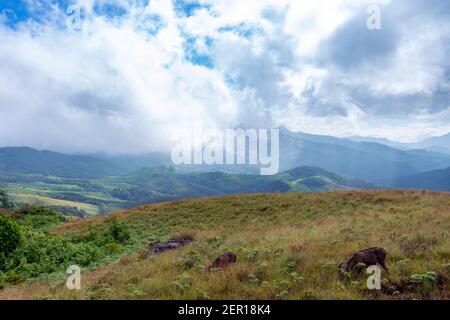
(437, 143)
(436, 180)
(24, 160)
(307, 163)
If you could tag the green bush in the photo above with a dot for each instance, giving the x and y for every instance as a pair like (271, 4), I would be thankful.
(4, 201)
(119, 231)
(113, 248)
(27, 251)
(29, 210)
(10, 236)
(41, 253)
(189, 260)
(38, 217)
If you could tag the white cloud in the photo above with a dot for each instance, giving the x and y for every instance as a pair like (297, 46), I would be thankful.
(123, 84)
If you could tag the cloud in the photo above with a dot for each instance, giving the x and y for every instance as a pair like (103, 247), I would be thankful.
(138, 70)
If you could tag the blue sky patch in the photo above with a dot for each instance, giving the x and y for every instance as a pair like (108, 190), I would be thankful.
(18, 11)
(243, 30)
(196, 57)
(187, 7)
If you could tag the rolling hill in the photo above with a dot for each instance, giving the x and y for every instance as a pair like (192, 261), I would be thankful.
(150, 185)
(175, 184)
(288, 246)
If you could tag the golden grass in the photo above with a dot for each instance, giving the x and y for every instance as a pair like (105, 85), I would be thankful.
(288, 247)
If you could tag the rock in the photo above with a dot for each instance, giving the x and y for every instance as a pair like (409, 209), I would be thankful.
(161, 247)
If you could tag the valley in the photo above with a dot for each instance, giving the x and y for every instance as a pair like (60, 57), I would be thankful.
(158, 184)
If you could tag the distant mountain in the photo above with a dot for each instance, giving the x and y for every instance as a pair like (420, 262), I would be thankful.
(370, 161)
(437, 180)
(387, 142)
(440, 143)
(22, 160)
(130, 163)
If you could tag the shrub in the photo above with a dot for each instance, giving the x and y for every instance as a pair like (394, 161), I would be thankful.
(182, 283)
(425, 282)
(44, 254)
(189, 260)
(4, 201)
(292, 262)
(113, 248)
(119, 231)
(10, 235)
(38, 216)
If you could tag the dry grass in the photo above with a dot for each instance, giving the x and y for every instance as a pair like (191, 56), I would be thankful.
(288, 247)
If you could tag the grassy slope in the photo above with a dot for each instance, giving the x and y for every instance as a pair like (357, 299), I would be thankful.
(273, 235)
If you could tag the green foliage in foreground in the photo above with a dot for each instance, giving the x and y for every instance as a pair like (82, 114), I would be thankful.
(119, 231)
(10, 236)
(27, 250)
(38, 217)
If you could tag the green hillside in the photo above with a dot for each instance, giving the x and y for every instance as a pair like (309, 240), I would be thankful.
(288, 247)
(166, 183)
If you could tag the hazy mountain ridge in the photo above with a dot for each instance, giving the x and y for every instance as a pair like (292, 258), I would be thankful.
(24, 160)
(437, 143)
(436, 180)
(371, 161)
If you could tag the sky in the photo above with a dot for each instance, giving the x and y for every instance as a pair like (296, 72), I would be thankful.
(121, 76)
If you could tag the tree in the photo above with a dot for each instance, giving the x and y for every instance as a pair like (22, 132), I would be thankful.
(4, 200)
(119, 231)
(10, 235)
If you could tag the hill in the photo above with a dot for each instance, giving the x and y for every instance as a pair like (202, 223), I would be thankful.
(158, 184)
(22, 160)
(288, 247)
(170, 183)
(366, 160)
(369, 161)
(437, 180)
(372, 160)
(439, 143)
